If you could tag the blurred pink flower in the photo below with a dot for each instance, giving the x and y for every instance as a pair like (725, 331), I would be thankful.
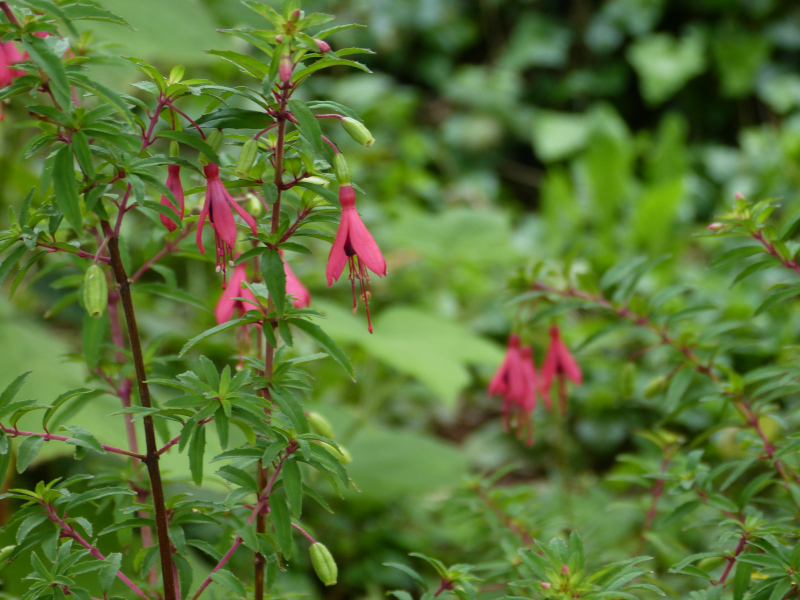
(353, 241)
(302, 297)
(174, 185)
(560, 363)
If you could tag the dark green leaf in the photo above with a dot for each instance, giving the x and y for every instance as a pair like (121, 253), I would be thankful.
(275, 277)
(66, 188)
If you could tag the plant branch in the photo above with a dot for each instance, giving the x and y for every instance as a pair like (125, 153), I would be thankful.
(76, 252)
(161, 253)
(62, 438)
(152, 457)
(732, 559)
(70, 532)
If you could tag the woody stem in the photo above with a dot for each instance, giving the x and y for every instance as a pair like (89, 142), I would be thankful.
(269, 355)
(151, 457)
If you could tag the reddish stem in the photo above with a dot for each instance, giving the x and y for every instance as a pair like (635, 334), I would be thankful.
(732, 560)
(61, 438)
(161, 253)
(70, 532)
(76, 252)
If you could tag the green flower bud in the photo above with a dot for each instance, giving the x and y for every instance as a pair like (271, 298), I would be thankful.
(4, 554)
(254, 206)
(174, 149)
(627, 379)
(95, 291)
(340, 169)
(655, 387)
(341, 453)
(320, 425)
(324, 565)
(358, 131)
(214, 140)
(247, 158)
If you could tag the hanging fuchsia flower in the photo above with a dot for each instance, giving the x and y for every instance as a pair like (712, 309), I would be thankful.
(219, 206)
(228, 305)
(354, 246)
(520, 386)
(174, 185)
(9, 55)
(560, 363)
(302, 297)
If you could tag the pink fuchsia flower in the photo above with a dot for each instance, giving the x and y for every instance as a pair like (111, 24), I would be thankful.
(9, 55)
(519, 385)
(560, 363)
(301, 295)
(228, 304)
(174, 185)
(219, 207)
(354, 246)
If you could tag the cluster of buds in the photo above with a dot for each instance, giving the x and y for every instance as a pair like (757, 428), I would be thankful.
(520, 385)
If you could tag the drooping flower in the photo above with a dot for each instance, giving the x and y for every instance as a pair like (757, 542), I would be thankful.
(354, 246)
(294, 287)
(9, 55)
(520, 386)
(218, 206)
(228, 305)
(174, 185)
(560, 363)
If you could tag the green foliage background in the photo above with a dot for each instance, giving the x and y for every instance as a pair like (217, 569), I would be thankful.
(508, 132)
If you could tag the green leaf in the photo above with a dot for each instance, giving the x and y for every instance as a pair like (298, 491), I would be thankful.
(330, 196)
(83, 438)
(219, 328)
(80, 145)
(12, 389)
(87, 12)
(292, 409)
(275, 277)
(105, 93)
(11, 260)
(677, 387)
(230, 582)
(94, 334)
(326, 343)
(197, 449)
(51, 64)
(283, 524)
(191, 140)
(28, 450)
(308, 124)
(293, 484)
(66, 188)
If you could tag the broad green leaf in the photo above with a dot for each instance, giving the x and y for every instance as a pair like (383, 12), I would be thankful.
(230, 582)
(51, 64)
(308, 124)
(275, 277)
(27, 452)
(282, 522)
(293, 484)
(326, 343)
(191, 140)
(66, 188)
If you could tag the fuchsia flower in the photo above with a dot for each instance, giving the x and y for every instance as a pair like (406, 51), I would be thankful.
(174, 185)
(518, 383)
(218, 207)
(228, 305)
(560, 363)
(302, 297)
(9, 55)
(354, 246)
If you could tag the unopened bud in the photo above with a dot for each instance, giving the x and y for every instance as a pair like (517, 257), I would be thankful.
(323, 563)
(95, 291)
(546, 585)
(322, 45)
(214, 140)
(320, 425)
(716, 226)
(296, 14)
(247, 158)
(655, 387)
(285, 68)
(341, 453)
(254, 206)
(739, 196)
(358, 131)
(564, 570)
(340, 169)
(279, 38)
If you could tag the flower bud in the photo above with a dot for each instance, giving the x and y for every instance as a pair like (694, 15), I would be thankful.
(564, 570)
(95, 291)
(247, 158)
(214, 140)
(4, 554)
(285, 68)
(358, 131)
(655, 387)
(323, 563)
(739, 196)
(340, 169)
(322, 45)
(296, 14)
(320, 425)
(546, 585)
(254, 206)
(341, 454)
